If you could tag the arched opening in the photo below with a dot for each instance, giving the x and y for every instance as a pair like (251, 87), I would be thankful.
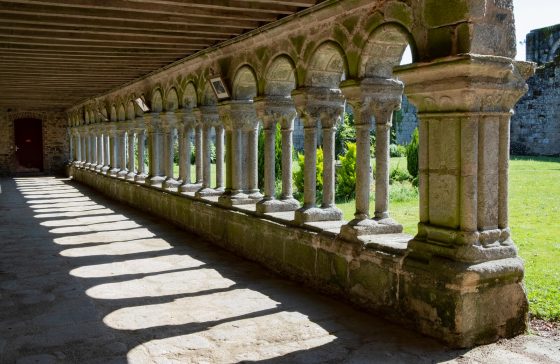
(389, 46)
(28, 138)
(244, 84)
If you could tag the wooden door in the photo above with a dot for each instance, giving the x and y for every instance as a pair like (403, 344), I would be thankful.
(29, 144)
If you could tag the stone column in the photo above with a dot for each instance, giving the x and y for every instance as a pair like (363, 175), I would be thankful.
(219, 131)
(272, 110)
(131, 142)
(141, 140)
(185, 151)
(93, 145)
(238, 117)
(121, 142)
(155, 150)
(198, 152)
(106, 149)
(463, 253)
(77, 147)
(225, 121)
(251, 131)
(100, 149)
(87, 138)
(327, 106)
(115, 167)
(169, 120)
(372, 98)
(209, 117)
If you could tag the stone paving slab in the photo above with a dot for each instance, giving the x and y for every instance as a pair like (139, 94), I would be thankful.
(86, 280)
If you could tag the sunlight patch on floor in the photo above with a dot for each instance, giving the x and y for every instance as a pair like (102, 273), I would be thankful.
(118, 248)
(137, 266)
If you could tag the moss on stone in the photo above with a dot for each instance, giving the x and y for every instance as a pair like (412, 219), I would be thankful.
(463, 34)
(436, 14)
(350, 23)
(298, 42)
(373, 22)
(400, 13)
(340, 35)
(440, 42)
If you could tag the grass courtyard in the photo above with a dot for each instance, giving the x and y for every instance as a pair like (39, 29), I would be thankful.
(534, 209)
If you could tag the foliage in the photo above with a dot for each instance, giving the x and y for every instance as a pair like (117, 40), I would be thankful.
(403, 191)
(412, 154)
(277, 155)
(299, 176)
(346, 132)
(399, 175)
(396, 150)
(398, 117)
(346, 174)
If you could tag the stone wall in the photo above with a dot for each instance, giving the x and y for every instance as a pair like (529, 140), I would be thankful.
(55, 141)
(535, 127)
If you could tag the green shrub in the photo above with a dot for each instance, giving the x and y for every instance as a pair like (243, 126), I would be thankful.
(277, 155)
(299, 176)
(399, 175)
(396, 150)
(346, 174)
(412, 154)
(346, 132)
(403, 192)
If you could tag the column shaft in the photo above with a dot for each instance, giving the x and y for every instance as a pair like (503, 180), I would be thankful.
(382, 170)
(219, 157)
(287, 147)
(328, 167)
(269, 161)
(363, 170)
(309, 170)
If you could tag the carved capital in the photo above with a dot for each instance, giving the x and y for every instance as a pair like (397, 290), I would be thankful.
(273, 109)
(373, 97)
(239, 115)
(468, 83)
(319, 104)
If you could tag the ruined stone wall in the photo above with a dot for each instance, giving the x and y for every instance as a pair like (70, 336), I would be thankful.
(535, 127)
(543, 44)
(55, 142)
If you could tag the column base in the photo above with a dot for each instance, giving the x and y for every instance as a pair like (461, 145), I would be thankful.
(122, 174)
(171, 184)
(464, 246)
(98, 168)
(113, 172)
(156, 181)
(105, 170)
(314, 214)
(131, 176)
(361, 227)
(273, 205)
(140, 178)
(234, 199)
(86, 165)
(465, 304)
(189, 187)
(207, 192)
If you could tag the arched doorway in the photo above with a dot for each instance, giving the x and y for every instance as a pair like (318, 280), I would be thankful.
(28, 138)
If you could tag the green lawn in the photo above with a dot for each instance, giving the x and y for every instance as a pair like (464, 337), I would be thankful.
(535, 224)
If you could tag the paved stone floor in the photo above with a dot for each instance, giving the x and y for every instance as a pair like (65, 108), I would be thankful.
(87, 280)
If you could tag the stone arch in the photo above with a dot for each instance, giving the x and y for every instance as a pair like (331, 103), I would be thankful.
(208, 97)
(244, 84)
(121, 112)
(384, 50)
(327, 66)
(156, 101)
(172, 100)
(280, 78)
(189, 99)
(130, 110)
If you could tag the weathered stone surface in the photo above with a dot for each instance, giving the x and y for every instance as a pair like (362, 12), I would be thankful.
(105, 291)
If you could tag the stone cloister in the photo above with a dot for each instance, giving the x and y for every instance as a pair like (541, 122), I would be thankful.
(459, 279)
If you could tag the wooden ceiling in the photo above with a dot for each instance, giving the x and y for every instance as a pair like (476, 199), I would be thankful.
(55, 53)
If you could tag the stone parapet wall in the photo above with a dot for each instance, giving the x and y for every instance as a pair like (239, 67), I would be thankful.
(458, 303)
